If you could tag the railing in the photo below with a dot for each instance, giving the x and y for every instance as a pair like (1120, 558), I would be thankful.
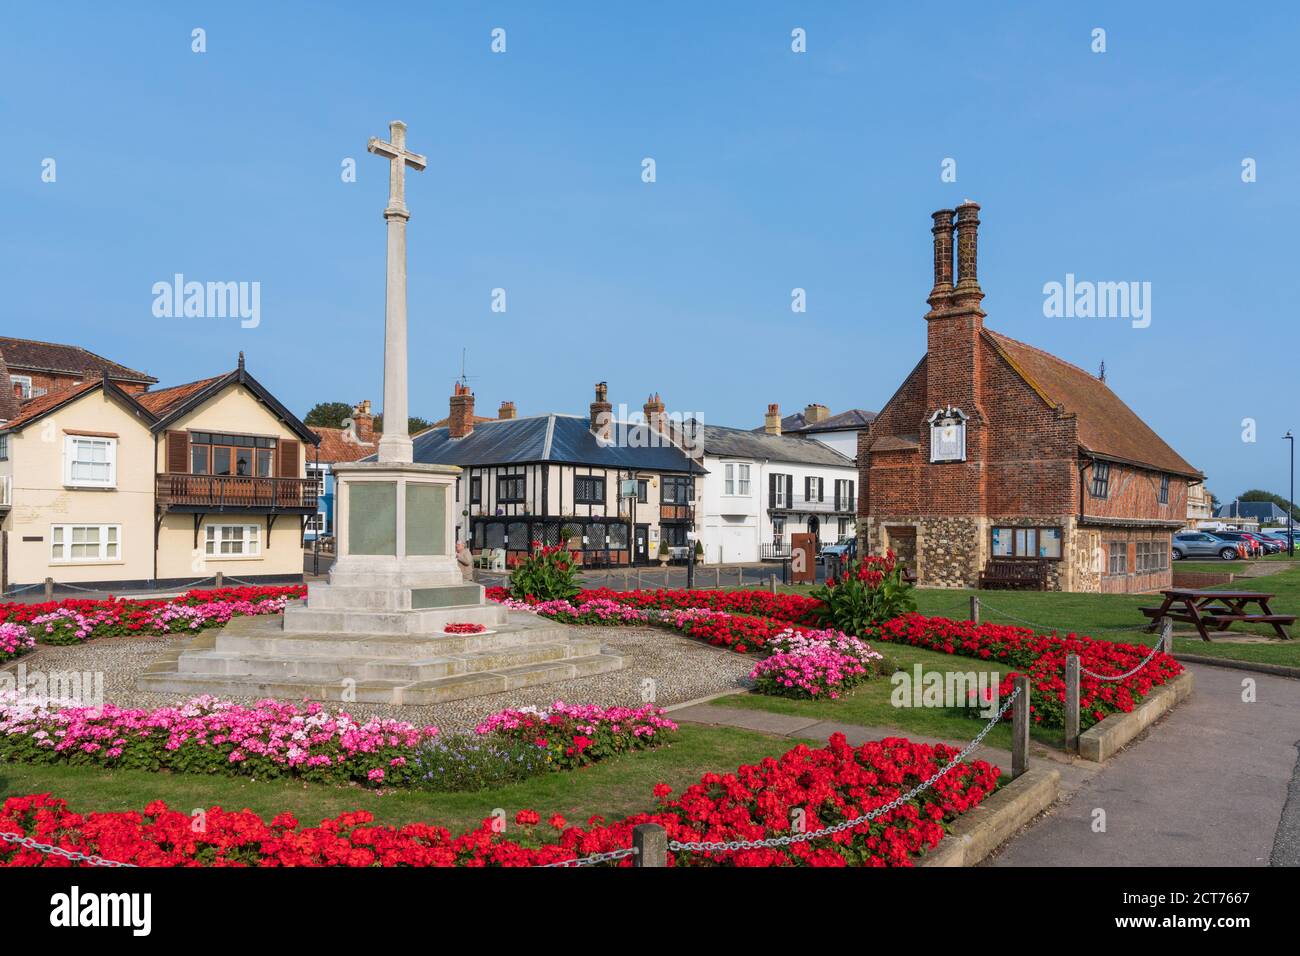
(6, 490)
(228, 492)
(774, 551)
(829, 505)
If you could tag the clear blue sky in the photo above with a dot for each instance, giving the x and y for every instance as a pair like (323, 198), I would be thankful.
(775, 170)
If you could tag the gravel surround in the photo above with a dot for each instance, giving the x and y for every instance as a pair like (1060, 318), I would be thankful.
(682, 669)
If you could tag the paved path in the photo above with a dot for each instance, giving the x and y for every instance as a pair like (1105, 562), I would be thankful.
(1213, 784)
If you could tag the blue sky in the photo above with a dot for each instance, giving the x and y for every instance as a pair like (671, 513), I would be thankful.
(775, 170)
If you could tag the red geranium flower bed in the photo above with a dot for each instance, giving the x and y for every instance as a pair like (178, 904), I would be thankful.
(464, 629)
(808, 788)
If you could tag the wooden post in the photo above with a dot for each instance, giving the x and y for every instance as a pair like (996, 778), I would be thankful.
(49, 589)
(627, 577)
(1020, 730)
(1167, 635)
(220, 579)
(1072, 703)
(650, 840)
(771, 583)
(717, 578)
(975, 608)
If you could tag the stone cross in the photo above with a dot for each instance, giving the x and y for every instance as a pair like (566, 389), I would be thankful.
(395, 443)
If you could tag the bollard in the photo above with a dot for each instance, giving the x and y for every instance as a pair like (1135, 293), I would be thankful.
(717, 578)
(650, 840)
(975, 608)
(49, 589)
(1072, 703)
(220, 579)
(627, 577)
(771, 583)
(1167, 635)
(1020, 730)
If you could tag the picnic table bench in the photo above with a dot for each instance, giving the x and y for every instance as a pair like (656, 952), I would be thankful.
(1219, 608)
(1014, 574)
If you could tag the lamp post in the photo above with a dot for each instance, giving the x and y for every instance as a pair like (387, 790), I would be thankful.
(1290, 503)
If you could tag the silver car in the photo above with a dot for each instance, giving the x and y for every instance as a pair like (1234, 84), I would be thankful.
(1198, 544)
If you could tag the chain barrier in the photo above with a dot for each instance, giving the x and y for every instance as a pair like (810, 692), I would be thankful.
(1051, 627)
(25, 587)
(607, 857)
(1145, 662)
(53, 850)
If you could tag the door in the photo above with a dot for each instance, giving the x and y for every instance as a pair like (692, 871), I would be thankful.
(640, 544)
(903, 542)
(814, 529)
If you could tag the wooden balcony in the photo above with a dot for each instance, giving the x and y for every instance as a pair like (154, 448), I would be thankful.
(206, 493)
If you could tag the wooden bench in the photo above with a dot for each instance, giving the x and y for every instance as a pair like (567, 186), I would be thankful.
(1014, 574)
(1219, 609)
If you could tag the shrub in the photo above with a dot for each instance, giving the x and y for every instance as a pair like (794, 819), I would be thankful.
(546, 574)
(463, 762)
(870, 591)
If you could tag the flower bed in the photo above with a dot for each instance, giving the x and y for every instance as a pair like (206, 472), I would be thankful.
(206, 735)
(1042, 658)
(73, 620)
(574, 736)
(15, 640)
(815, 664)
(470, 628)
(793, 608)
(812, 787)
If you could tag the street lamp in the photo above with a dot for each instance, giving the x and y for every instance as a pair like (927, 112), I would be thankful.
(1290, 503)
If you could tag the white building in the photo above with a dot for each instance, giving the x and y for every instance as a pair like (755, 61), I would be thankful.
(760, 487)
(840, 430)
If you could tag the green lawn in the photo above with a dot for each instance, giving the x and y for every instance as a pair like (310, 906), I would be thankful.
(869, 704)
(613, 788)
(1116, 617)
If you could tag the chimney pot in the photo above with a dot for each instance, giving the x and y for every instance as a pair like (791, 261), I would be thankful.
(654, 411)
(461, 421)
(506, 411)
(816, 414)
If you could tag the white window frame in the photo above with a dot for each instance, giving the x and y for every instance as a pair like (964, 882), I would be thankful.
(212, 539)
(70, 444)
(25, 381)
(742, 480)
(729, 478)
(109, 539)
(4, 447)
(735, 479)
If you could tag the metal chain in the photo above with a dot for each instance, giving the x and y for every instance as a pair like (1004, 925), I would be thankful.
(72, 855)
(706, 847)
(595, 858)
(1147, 660)
(25, 587)
(1052, 627)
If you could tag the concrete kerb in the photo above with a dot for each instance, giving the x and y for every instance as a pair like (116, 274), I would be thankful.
(1259, 667)
(1107, 737)
(981, 830)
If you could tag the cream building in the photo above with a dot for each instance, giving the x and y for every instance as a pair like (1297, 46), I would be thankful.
(107, 488)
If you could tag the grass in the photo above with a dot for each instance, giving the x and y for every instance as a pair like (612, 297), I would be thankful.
(1115, 617)
(612, 788)
(869, 704)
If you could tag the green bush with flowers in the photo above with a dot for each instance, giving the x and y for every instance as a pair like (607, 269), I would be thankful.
(871, 590)
(546, 574)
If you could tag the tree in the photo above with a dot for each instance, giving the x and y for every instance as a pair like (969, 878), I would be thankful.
(413, 424)
(328, 414)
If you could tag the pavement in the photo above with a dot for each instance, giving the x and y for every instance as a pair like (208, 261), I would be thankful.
(1214, 783)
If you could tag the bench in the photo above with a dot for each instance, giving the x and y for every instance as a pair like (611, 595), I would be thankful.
(1014, 574)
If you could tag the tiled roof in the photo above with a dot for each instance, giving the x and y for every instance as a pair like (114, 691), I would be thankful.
(335, 445)
(36, 407)
(742, 443)
(1106, 425)
(163, 399)
(72, 359)
(854, 418)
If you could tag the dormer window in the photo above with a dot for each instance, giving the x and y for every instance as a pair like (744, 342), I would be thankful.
(948, 434)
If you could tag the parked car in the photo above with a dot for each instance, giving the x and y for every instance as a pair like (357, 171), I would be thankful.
(841, 552)
(1253, 547)
(1282, 537)
(1270, 545)
(1203, 544)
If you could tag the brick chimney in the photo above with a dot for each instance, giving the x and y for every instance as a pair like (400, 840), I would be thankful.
(654, 412)
(364, 422)
(461, 421)
(968, 293)
(816, 414)
(601, 412)
(506, 411)
(772, 420)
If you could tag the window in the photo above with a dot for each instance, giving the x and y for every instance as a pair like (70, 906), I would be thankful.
(90, 462)
(642, 491)
(510, 489)
(844, 528)
(4, 447)
(735, 479)
(677, 490)
(843, 494)
(780, 487)
(317, 475)
(588, 490)
(232, 541)
(1164, 489)
(1100, 479)
(1151, 556)
(814, 489)
(778, 529)
(742, 480)
(1026, 543)
(476, 490)
(316, 523)
(85, 542)
(1117, 552)
(673, 535)
(24, 383)
(212, 453)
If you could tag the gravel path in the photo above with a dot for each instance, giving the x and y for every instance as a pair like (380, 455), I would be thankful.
(680, 669)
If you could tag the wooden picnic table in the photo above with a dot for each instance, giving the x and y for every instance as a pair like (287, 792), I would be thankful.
(1220, 608)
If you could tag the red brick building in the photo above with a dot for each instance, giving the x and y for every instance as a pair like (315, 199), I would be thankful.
(992, 448)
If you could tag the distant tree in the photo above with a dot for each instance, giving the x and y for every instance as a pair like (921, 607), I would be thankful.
(328, 414)
(1258, 494)
(413, 424)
